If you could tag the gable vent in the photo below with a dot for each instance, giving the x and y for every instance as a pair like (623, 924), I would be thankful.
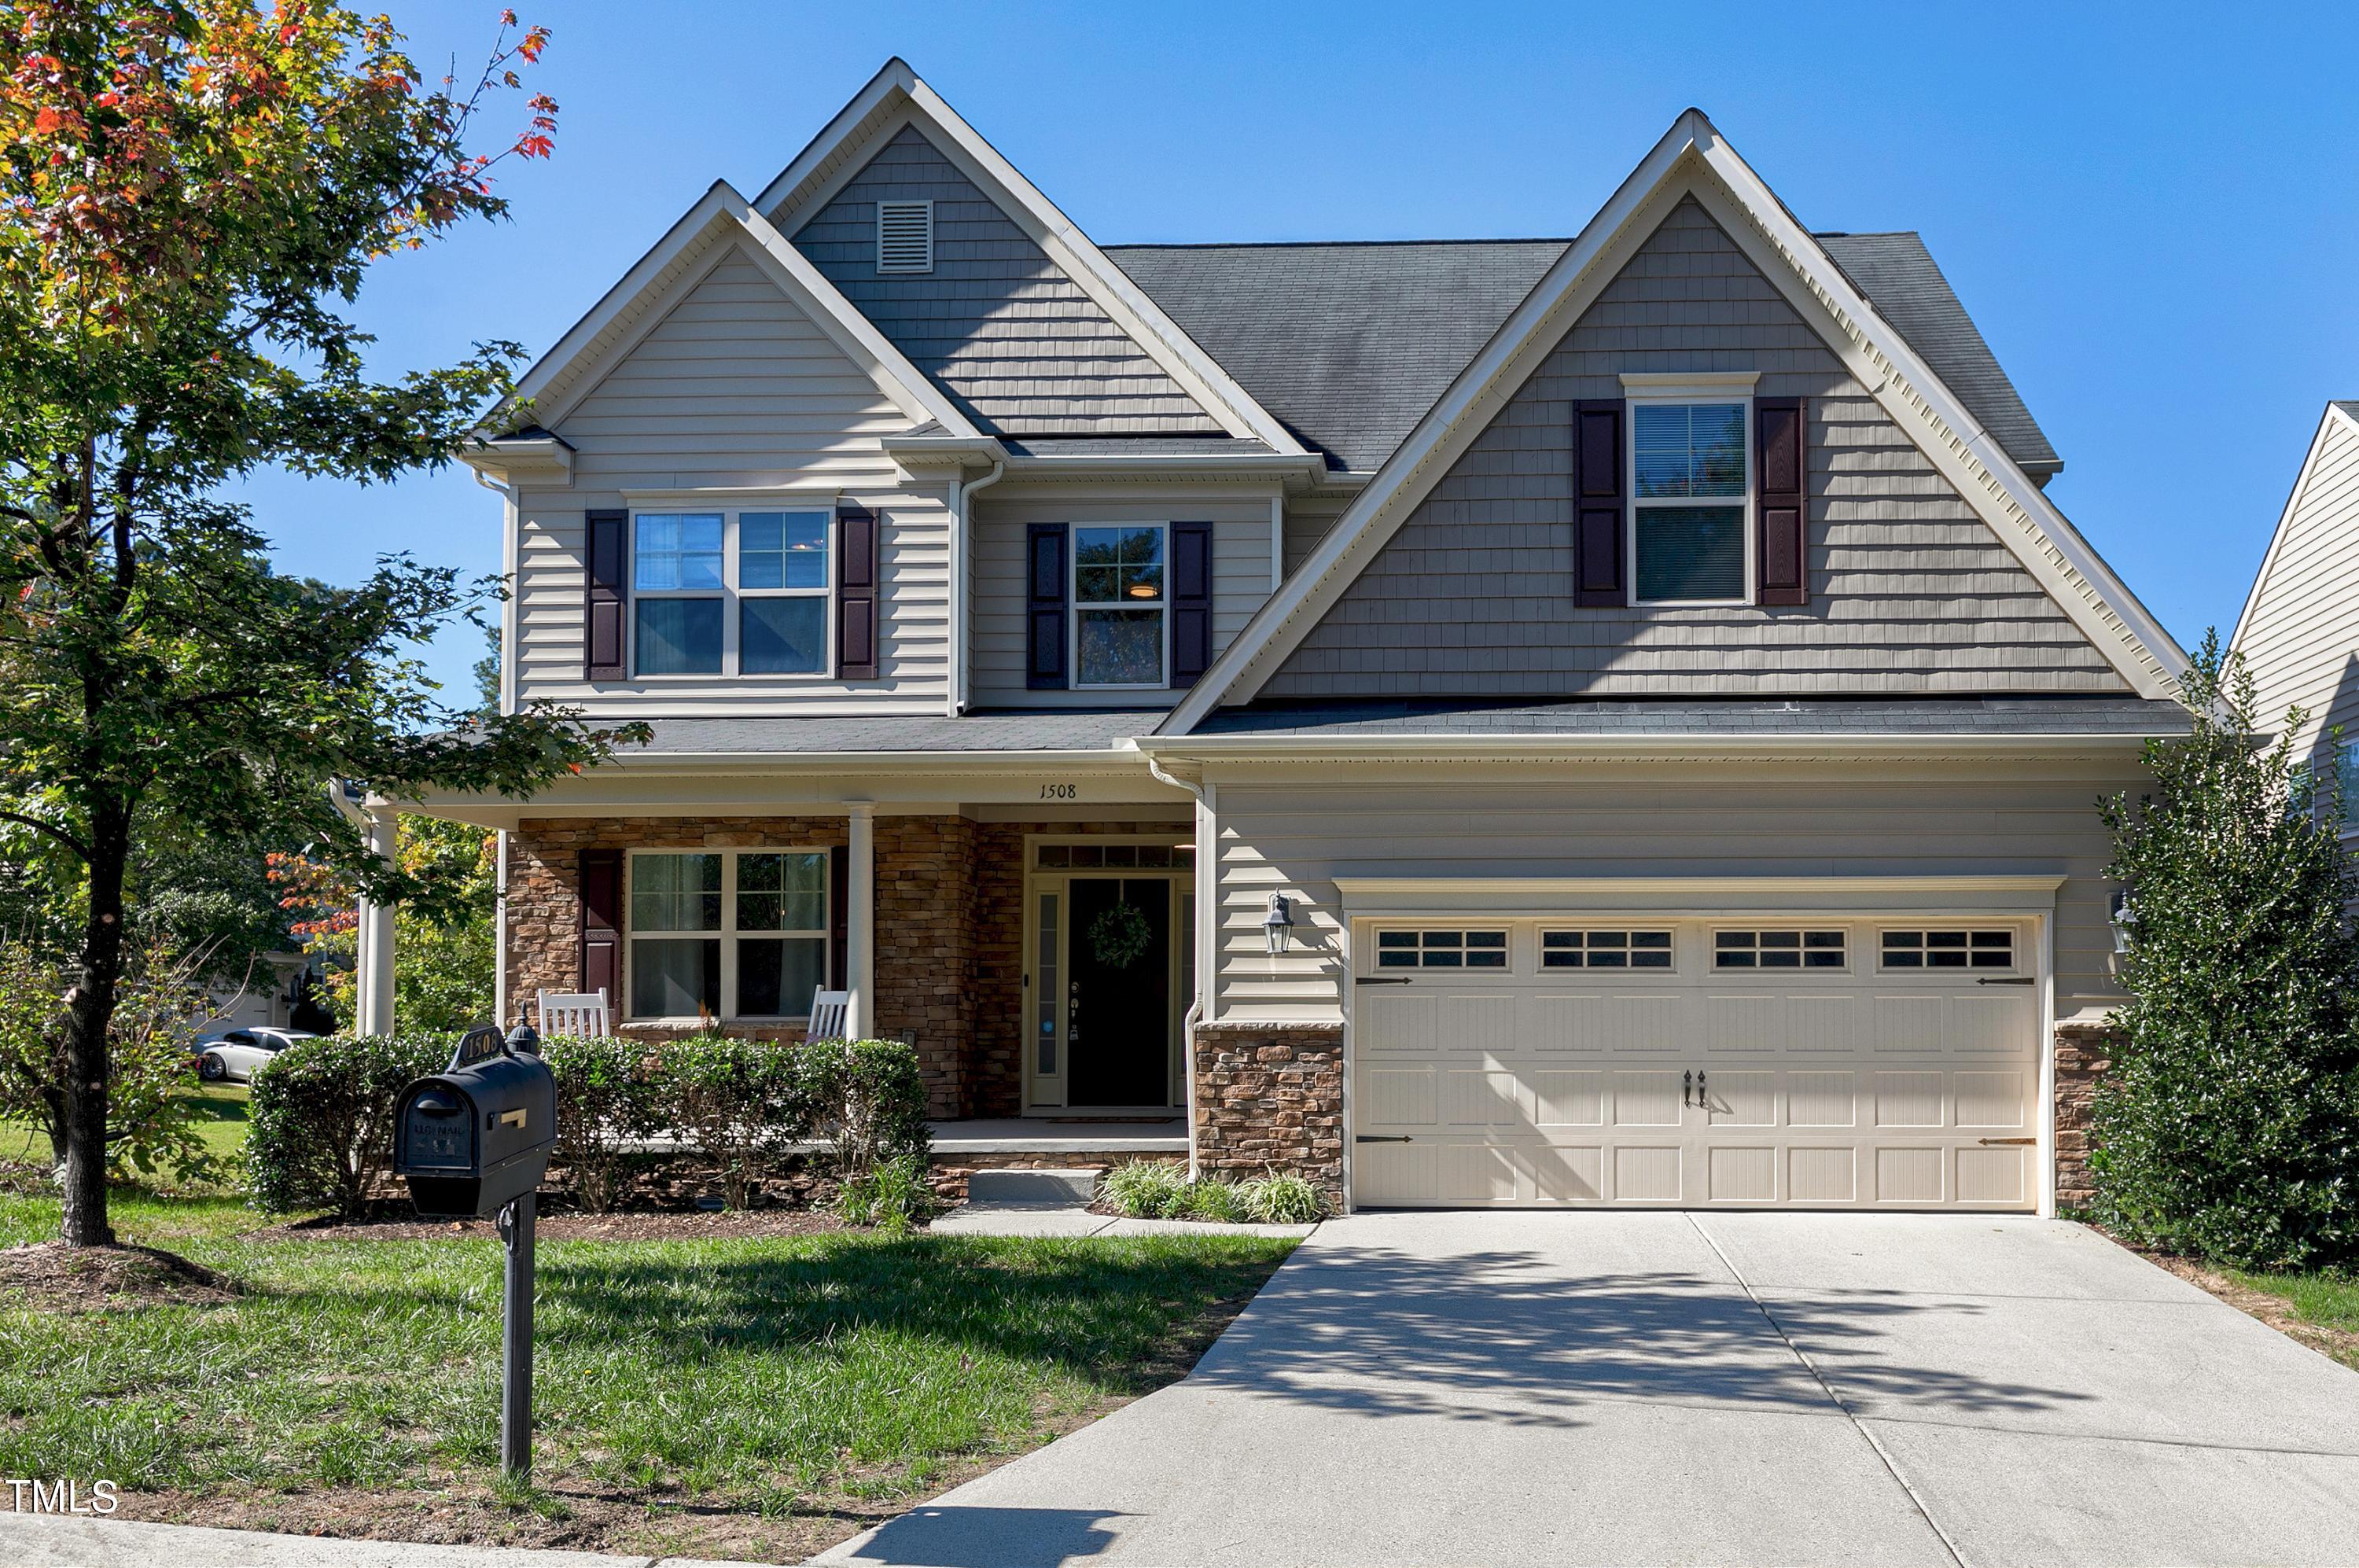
(905, 237)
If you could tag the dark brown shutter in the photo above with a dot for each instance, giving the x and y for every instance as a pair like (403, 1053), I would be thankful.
(1598, 497)
(839, 909)
(599, 875)
(602, 643)
(855, 594)
(1781, 474)
(1044, 594)
(1191, 601)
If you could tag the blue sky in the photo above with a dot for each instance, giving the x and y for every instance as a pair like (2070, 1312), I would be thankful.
(2151, 212)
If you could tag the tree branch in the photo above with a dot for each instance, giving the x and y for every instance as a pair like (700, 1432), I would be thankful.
(80, 850)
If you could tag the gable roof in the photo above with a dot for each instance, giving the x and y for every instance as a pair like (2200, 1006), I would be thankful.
(896, 98)
(1900, 279)
(719, 222)
(2344, 409)
(1693, 159)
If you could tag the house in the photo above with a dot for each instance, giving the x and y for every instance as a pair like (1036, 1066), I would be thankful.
(2299, 633)
(1609, 721)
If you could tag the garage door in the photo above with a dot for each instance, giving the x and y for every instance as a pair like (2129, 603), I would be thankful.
(1737, 1062)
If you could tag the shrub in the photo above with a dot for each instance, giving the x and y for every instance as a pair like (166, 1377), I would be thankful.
(737, 1103)
(892, 1195)
(608, 1096)
(1283, 1200)
(1211, 1198)
(320, 1118)
(2229, 1126)
(867, 1099)
(1146, 1189)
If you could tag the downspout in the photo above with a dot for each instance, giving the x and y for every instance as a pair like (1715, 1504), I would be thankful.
(1205, 915)
(961, 509)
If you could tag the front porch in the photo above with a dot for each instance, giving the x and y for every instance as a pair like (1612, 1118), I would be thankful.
(1041, 969)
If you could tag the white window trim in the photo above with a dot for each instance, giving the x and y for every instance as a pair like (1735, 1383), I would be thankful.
(732, 596)
(2015, 956)
(1464, 928)
(1684, 390)
(727, 932)
(1849, 932)
(1548, 929)
(1075, 606)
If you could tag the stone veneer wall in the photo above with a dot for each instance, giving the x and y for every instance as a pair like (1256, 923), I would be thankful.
(950, 932)
(1270, 1097)
(2083, 1052)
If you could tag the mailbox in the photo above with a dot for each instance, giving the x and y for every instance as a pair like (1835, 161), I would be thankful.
(476, 1135)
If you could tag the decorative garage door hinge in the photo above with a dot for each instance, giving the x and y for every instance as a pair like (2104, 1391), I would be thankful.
(1380, 1137)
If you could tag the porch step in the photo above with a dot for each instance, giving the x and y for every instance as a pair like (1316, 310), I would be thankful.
(1062, 1189)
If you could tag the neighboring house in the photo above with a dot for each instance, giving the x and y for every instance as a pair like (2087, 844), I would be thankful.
(2298, 634)
(269, 993)
(1643, 668)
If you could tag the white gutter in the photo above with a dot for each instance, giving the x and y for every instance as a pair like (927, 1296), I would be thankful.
(961, 519)
(1207, 905)
(1401, 748)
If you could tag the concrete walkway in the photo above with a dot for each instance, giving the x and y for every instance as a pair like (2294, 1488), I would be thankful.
(1568, 1388)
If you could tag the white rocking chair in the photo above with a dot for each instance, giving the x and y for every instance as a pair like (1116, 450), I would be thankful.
(827, 1010)
(578, 1014)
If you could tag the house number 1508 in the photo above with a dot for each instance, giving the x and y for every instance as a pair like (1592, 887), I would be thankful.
(1061, 792)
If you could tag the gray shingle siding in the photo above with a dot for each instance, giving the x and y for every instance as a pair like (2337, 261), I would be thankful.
(1910, 593)
(1002, 329)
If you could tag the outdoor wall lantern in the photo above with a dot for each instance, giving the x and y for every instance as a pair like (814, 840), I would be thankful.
(2124, 920)
(1278, 925)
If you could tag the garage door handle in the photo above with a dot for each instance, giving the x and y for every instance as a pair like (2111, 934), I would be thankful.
(1380, 1137)
(1986, 1142)
(2004, 980)
(1380, 979)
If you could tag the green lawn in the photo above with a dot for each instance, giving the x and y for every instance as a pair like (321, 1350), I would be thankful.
(2329, 1300)
(222, 1128)
(749, 1373)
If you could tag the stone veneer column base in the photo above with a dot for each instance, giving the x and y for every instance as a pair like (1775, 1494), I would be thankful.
(1271, 1097)
(2083, 1053)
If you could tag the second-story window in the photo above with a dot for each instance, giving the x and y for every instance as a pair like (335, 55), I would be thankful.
(1120, 619)
(1691, 476)
(731, 593)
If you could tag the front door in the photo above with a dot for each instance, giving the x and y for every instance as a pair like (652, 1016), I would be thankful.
(1118, 991)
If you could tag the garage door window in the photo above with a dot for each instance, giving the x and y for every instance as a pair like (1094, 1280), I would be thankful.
(1778, 950)
(1442, 950)
(1948, 950)
(1605, 950)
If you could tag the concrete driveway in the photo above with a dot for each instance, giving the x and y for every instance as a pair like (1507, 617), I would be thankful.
(1559, 1388)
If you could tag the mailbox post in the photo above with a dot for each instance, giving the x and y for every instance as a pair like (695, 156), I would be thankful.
(473, 1143)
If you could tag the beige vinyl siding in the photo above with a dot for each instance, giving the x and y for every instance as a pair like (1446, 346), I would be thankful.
(2301, 641)
(1240, 583)
(1019, 344)
(735, 389)
(1910, 593)
(1297, 835)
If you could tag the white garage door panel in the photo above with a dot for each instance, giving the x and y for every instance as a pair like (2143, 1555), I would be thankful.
(1850, 1086)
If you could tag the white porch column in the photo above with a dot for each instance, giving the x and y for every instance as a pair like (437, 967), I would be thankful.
(375, 957)
(860, 923)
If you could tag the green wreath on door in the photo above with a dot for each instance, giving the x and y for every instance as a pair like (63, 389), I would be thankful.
(1120, 937)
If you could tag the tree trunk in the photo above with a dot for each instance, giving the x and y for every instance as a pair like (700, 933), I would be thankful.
(91, 1010)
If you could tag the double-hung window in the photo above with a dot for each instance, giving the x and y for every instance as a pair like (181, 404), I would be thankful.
(727, 933)
(731, 593)
(1691, 463)
(1121, 612)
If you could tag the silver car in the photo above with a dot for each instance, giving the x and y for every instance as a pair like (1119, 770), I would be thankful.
(232, 1058)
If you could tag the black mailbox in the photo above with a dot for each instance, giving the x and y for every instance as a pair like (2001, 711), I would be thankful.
(476, 1135)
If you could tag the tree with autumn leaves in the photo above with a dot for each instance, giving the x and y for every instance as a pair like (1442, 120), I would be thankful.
(191, 194)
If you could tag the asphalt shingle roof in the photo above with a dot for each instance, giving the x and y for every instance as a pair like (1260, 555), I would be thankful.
(1986, 716)
(1350, 342)
(1901, 280)
(2348, 405)
(1349, 345)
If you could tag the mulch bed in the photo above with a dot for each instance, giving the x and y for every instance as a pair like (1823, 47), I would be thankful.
(60, 1278)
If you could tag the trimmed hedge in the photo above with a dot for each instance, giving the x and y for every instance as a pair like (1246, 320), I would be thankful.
(323, 1111)
(321, 1117)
